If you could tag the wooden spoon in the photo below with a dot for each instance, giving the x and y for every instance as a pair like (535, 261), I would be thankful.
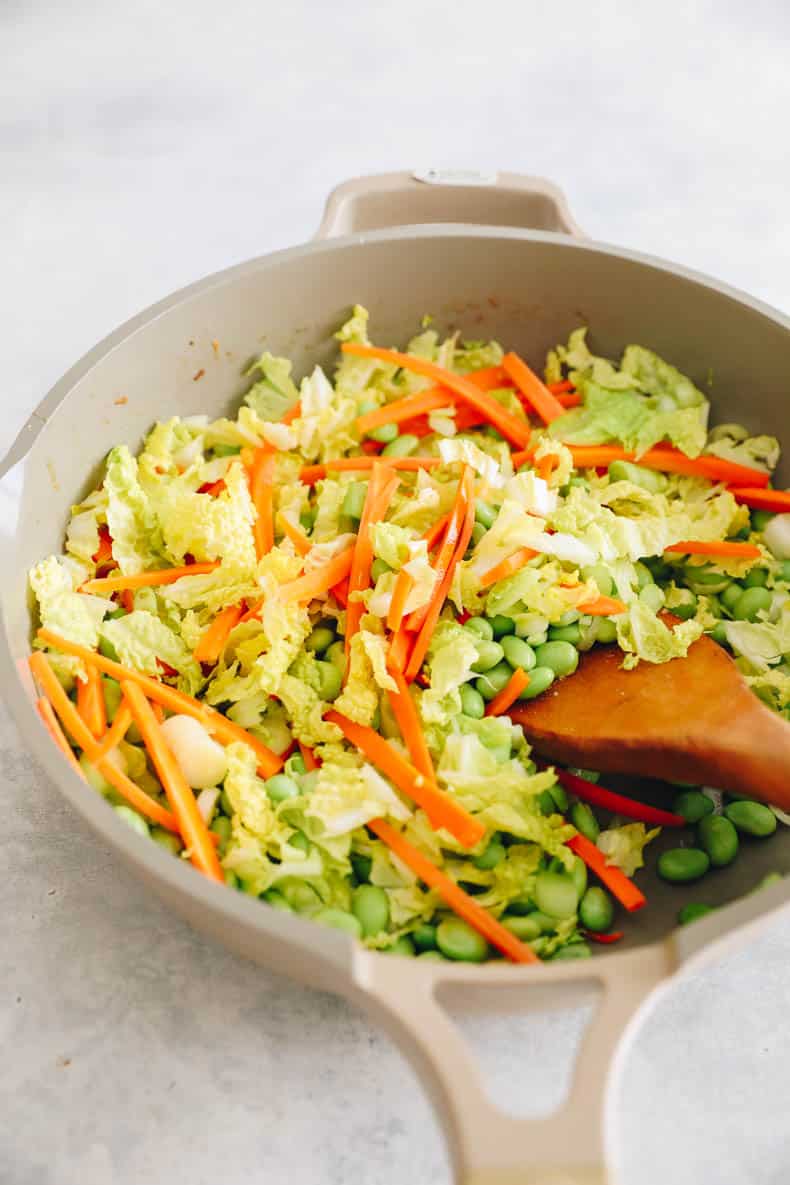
(693, 719)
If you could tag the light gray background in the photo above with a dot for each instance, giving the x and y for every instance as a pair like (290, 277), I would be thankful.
(143, 145)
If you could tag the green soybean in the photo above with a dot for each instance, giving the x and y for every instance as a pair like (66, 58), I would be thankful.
(112, 697)
(647, 479)
(518, 652)
(402, 946)
(546, 803)
(338, 919)
(295, 766)
(602, 577)
(555, 894)
(361, 865)
(354, 499)
(222, 827)
(331, 680)
(596, 909)
(491, 855)
(133, 820)
(371, 907)
(378, 569)
(585, 821)
(385, 434)
(719, 838)
(557, 792)
(719, 633)
(579, 876)
(478, 533)
(692, 911)
(607, 631)
(702, 580)
(300, 896)
(167, 840)
(560, 657)
(320, 639)
(493, 681)
(489, 654)
(565, 633)
(432, 956)
(540, 679)
(502, 625)
(480, 627)
(459, 941)
(751, 818)
(403, 446)
(226, 450)
(730, 597)
(693, 805)
(424, 936)
(573, 950)
(336, 654)
(643, 575)
(485, 513)
(751, 602)
(280, 787)
(108, 650)
(526, 928)
(307, 519)
(472, 702)
(679, 865)
(687, 607)
(756, 578)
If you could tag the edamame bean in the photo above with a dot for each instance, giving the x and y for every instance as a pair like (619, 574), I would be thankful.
(751, 818)
(112, 697)
(307, 519)
(526, 928)
(108, 650)
(401, 946)
(222, 827)
(520, 906)
(280, 786)
(555, 894)
(457, 940)
(652, 596)
(565, 633)
(557, 792)
(751, 602)
(488, 655)
(502, 625)
(225, 805)
(493, 681)
(540, 679)
(226, 450)
(596, 910)
(432, 956)
(730, 596)
(693, 805)
(480, 627)
(385, 434)
(274, 898)
(718, 633)
(579, 876)
(643, 575)
(607, 631)
(546, 803)
(686, 608)
(354, 499)
(478, 533)
(336, 654)
(402, 446)
(361, 866)
(472, 702)
(756, 578)
(295, 766)
(331, 680)
(300, 896)
(679, 865)
(518, 652)
(371, 907)
(692, 911)
(133, 820)
(648, 479)
(320, 639)
(574, 950)
(701, 580)
(378, 569)
(424, 936)
(338, 919)
(602, 577)
(485, 513)
(719, 838)
(560, 657)
(491, 855)
(585, 821)
(167, 840)
(784, 570)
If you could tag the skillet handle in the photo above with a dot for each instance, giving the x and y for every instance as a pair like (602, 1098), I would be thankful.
(446, 195)
(487, 1146)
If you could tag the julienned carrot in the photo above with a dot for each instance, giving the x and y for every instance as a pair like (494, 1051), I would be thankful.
(404, 409)
(512, 428)
(175, 701)
(183, 804)
(743, 551)
(604, 939)
(295, 534)
(310, 474)
(603, 607)
(423, 639)
(126, 598)
(262, 494)
(545, 466)
(499, 705)
(399, 649)
(381, 487)
(308, 757)
(569, 400)
(508, 567)
(80, 734)
(52, 724)
(449, 542)
(433, 534)
(340, 592)
(561, 387)
(293, 413)
(90, 702)
(668, 460)
(405, 712)
(213, 640)
(110, 584)
(103, 554)
(118, 730)
(535, 392)
(618, 884)
(618, 804)
(404, 583)
(777, 501)
(454, 896)
(441, 809)
(320, 580)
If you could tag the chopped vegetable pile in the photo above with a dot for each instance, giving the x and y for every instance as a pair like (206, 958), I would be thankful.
(285, 646)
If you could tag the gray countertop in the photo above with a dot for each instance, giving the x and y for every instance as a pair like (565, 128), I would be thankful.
(145, 145)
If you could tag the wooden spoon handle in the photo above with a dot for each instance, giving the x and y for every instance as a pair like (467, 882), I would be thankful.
(752, 756)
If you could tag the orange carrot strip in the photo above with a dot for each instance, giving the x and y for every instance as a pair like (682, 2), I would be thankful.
(104, 553)
(310, 474)
(404, 409)
(308, 757)
(111, 584)
(319, 581)
(262, 494)
(116, 733)
(405, 711)
(744, 551)
(615, 880)
(423, 639)
(213, 640)
(447, 549)
(603, 607)
(441, 809)
(511, 427)
(499, 705)
(182, 801)
(535, 392)
(433, 534)
(158, 711)
(560, 388)
(247, 458)
(399, 648)
(90, 702)
(126, 598)
(379, 495)
(340, 592)
(81, 735)
(571, 399)
(293, 413)
(175, 701)
(508, 567)
(52, 724)
(295, 534)
(545, 466)
(525, 455)
(404, 583)
(777, 501)
(669, 460)
(454, 896)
